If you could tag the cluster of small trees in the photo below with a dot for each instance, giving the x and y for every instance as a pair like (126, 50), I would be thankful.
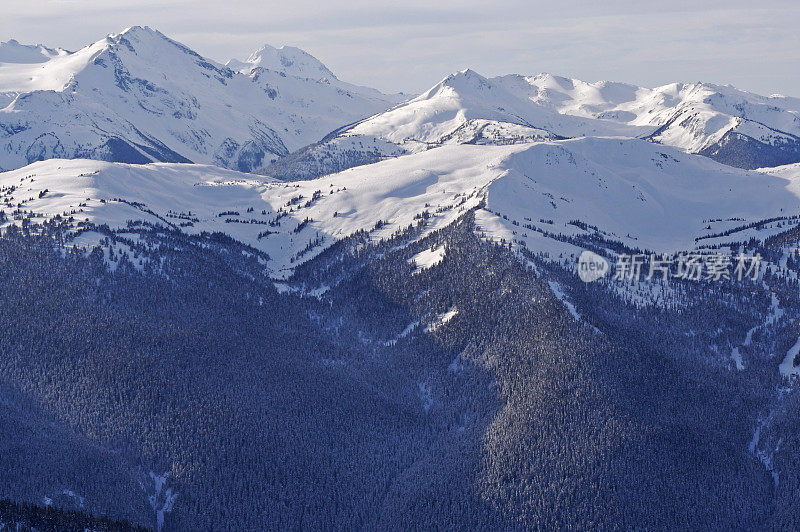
(27, 517)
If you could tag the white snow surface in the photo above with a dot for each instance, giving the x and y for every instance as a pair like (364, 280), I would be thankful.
(405, 332)
(559, 293)
(691, 116)
(427, 258)
(441, 319)
(287, 60)
(139, 96)
(787, 367)
(787, 171)
(12, 51)
(644, 195)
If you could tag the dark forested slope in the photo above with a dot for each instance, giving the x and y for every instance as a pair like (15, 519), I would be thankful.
(180, 387)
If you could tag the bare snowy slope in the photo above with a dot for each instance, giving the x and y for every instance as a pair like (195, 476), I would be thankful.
(627, 190)
(139, 96)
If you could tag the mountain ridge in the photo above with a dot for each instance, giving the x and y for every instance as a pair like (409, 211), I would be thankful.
(552, 197)
(734, 127)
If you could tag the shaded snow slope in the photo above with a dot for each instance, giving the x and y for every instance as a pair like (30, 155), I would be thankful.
(12, 51)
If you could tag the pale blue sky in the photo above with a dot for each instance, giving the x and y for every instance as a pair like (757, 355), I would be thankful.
(409, 46)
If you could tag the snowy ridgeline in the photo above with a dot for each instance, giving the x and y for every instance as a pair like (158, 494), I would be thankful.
(731, 126)
(532, 194)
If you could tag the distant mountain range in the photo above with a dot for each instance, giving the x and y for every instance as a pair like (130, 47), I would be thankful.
(728, 125)
(138, 97)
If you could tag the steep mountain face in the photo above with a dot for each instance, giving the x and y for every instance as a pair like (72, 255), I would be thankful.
(139, 97)
(731, 126)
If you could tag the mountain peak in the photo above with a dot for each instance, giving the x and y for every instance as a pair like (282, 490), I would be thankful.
(465, 74)
(139, 30)
(151, 49)
(468, 72)
(138, 34)
(288, 60)
(463, 82)
(139, 96)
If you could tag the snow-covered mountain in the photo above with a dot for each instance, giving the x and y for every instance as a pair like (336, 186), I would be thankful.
(731, 126)
(537, 195)
(537, 154)
(139, 96)
(464, 108)
(290, 62)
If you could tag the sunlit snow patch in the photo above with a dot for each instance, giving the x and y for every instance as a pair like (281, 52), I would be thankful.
(441, 319)
(408, 330)
(427, 258)
(787, 367)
